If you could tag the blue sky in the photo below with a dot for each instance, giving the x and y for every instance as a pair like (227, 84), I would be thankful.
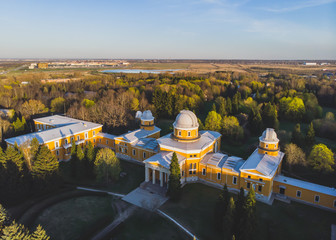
(201, 29)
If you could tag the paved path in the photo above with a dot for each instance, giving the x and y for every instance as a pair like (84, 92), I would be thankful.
(177, 223)
(145, 199)
(102, 191)
(122, 216)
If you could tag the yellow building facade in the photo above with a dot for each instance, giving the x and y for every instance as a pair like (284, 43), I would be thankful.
(198, 154)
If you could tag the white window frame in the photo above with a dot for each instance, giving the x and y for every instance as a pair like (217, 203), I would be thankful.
(297, 195)
(204, 172)
(219, 176)
(133, 152)
(86, 135)
(318, 198)
(234, 180)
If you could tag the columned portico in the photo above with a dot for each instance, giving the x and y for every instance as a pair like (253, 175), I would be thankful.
(151, 174)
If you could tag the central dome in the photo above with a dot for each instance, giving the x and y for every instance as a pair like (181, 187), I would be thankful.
(185, 120)
(147, 115)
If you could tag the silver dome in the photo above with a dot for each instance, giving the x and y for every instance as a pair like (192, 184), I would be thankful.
(185, 120)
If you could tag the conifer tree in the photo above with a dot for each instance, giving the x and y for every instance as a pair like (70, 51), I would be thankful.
(174, 182)
(80, 163)
(45, 164)
(3, 218)
(297, 136)
(239, 215)
(89, 159)
(79, 153)
(214, 107)
(200, 124)
(15, 231)
(310, 136)
(228, 106)
(39, 234)
(221, 207)
(235, 103)
(2, 157)
(74, 160)
(256, 123)
(228, 220)
(12, 154)
(251, 218)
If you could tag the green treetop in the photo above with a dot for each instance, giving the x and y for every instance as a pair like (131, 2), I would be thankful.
(321, 158)
(45, 163)
(213, 121)
(310, 136)
(107, 165)
(174, 182)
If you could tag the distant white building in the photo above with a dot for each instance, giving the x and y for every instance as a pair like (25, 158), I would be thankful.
(310, 63)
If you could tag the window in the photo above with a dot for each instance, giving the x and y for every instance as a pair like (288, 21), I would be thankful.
(266, 145)
(194, 168)
(86, 143)
(179, 133)
(188, 133)
(120, 149)
(72, 138)
(248, 176)
(260, 180)
(125, 150)
(195, 155)
(190, 167)
(182, 173)
(106, 142)
(317, 198)
(93, 133)
(298, 193)
(86, 135)
(66, 141)
(234, 180)
(56, 144)
(78, 138)
(57, 152)
(100, 140)
(133, 151)
(190, 155)
(94, 140)
(259, 188)
(218, 176)
(144, 155)
(248, 185)
(335, 203)
(203, 172)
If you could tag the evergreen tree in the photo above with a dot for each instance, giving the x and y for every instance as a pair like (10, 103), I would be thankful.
(74, 160)
(174, 182)
(200, 124)
(45, 164)
(310, 136)
(297, 136)
(80, 163)
(221, 207)
(235, 103)
(3, 218)
(12, 154)
(228, 106)
(228, 220)
(15, 231)
(251, 218)
(256, 123)
(214, 107)
(90, 156)
(270, 116)
(3, 159)
(240, 215)
(221, 103)
(79, 153)
(39, 234)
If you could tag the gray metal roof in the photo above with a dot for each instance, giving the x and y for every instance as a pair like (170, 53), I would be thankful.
(135, 135)
(220, 160)
(206, 139)
(263, 163)
(59, 121)
(164, 158)
(148, 143)
(54, 133)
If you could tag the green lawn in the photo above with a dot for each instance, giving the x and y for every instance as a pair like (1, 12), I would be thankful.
(279, 221)
(148, 226)
(68, 219)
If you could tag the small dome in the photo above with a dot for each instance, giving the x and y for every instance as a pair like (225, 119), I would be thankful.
(269, 135)
(186, 119)
(147, 115)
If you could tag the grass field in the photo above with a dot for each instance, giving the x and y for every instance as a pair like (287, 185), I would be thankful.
(68, 219)
(279, 221)
(145, 225)
(168, 65)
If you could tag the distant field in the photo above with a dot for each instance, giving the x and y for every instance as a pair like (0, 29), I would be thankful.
(149, 65)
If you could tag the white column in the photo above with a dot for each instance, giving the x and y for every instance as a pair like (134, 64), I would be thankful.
(147, 174)
(161, 180)
(153, 174)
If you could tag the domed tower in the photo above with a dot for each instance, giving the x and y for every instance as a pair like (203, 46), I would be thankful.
(269, 143)
(186, 126)
(147, 120)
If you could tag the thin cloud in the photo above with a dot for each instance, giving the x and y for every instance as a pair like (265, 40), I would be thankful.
(302, 5)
